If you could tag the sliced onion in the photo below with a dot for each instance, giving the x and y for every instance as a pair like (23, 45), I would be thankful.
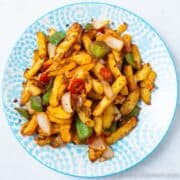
(102, 61)
(66, 102)
(107, 88)
(98, 144)
(108, 153)
(28, 107)
(43, 122)
(98, 24)
(114, 43)
(51, 50)
(117, 114)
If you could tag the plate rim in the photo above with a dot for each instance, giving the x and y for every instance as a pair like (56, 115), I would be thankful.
(168, 51)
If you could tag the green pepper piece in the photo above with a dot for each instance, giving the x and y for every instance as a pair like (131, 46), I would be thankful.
(88, 26)
(45, 98)
(57, 37)
(134, 112)
(23, 112)
(130, 59)
(99, 49)
(36, 103)
(83, 131)
(113, 127)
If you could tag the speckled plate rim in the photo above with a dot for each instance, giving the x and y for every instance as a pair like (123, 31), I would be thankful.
(175, 71)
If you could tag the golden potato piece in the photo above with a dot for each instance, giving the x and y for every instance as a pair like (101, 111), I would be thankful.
(122, 131)
(113, 66)
(94, 154)
(98, 125)
(97, 86)
(88, 83)
(119, 83)
(35, 56)
(59, 121)
(84, 68)
(65, 132)
(59, 112)
(146, 96)
(62, 70)
(53, 99)
(136, 56)
(72, 36)
(108, 116)
(143, 72)
(149, 81)
(81, 58)
(29, 73)
(43, 141)
(130, 102)
(124, 91)
(122, 28)
(30, 127)
(118, 57)
(42, 45)
(85, 119)
(30, 89)
(131, 80)
(86, 41)
(25, 96)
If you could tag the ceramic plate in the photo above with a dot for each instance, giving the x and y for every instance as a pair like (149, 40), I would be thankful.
(154, 120)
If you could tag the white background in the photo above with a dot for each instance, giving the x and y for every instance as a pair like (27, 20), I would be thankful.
(15, 16)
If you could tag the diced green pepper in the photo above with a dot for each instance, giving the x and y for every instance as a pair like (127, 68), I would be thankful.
(56, 37)
(23, 112)
(113, 127)
(45, 98)
(130, 59)
(36, 103)
(134, 112)
(88, 26)
(99, 49)
(83, 131)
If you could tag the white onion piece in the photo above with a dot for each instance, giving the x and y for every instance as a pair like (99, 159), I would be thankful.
(114, 43)
(43, 122)
(51, 50)
(108, 153)
(117, 114)
(98, 24)
(98, 144)
(28, 107)
(102, 61)
(66, 102)
(107, 89)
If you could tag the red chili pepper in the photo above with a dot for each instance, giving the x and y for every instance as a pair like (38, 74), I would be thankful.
(106, 73)
(76, 86)
(101, 30)
(44, 78)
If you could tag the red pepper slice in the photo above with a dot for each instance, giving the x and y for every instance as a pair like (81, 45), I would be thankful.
(101, 30)
(76, 86)
(106, 73)
(44, 78)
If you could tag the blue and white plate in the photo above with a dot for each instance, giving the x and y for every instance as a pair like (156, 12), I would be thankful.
(154, 120)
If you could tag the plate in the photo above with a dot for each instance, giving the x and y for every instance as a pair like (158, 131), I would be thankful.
(154, 120)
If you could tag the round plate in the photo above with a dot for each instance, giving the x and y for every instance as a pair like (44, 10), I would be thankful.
(154, 120)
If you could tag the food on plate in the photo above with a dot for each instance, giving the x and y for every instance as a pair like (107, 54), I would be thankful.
(84, 86)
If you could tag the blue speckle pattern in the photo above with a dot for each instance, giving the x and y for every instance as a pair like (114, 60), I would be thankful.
(154, 120)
